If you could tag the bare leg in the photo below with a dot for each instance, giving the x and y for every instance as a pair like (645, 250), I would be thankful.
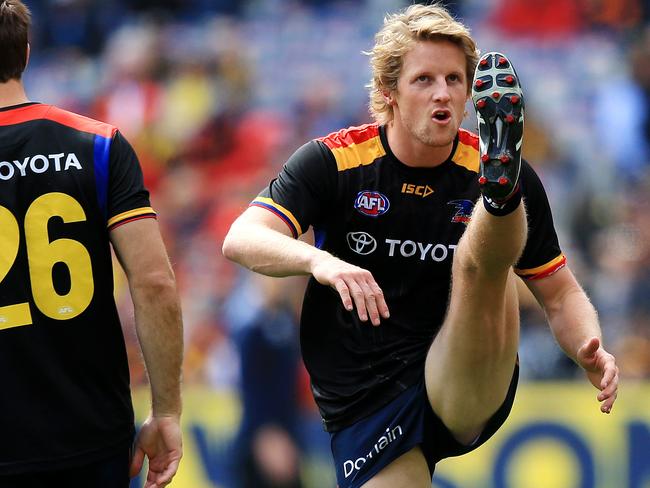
(410, 470)
(470, 363)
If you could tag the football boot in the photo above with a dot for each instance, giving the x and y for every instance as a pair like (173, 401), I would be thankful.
(499, 103)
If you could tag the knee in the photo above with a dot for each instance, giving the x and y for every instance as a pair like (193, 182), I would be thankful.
(465, 260)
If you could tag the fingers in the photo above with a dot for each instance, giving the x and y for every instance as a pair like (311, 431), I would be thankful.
(344, 293)
(610, 372)
(160, 441)
(160, 476)
(362, 291)
(371, 297)
(609, 391)
(608, 404)
(356, 287)
(150, 484)
(603, 373)
(136, 462)
(359, 297)
(166, 477)
(160, 480)
(382, 306)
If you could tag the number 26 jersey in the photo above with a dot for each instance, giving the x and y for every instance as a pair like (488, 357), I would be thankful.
(65, 181)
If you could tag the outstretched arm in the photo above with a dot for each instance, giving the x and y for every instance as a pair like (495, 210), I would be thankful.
(262, 242)
(574, 324)
(141, 252)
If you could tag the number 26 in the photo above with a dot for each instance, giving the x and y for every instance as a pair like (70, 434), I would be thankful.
(42, 255)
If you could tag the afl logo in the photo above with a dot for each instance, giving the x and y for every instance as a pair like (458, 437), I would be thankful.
(361, 243)
(371, 203)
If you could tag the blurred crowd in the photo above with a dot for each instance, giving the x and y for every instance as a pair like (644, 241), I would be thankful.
(215, 94)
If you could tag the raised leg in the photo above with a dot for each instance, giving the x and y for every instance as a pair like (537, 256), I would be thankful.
(470, 363)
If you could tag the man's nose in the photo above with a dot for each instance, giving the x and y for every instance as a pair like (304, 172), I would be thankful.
(441, 92)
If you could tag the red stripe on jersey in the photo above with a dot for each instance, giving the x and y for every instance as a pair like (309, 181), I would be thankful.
(548, 272)
(468, 138)
(351, 135)
(55, 114)
(277, 213)
(139, 217)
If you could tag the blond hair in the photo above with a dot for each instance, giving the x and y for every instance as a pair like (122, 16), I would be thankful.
(400, 31)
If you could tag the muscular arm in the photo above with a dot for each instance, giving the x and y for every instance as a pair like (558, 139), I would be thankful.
(574, 323)
(141, 252)
(262, 242)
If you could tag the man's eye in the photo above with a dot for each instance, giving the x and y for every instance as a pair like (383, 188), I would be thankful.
(423, 78)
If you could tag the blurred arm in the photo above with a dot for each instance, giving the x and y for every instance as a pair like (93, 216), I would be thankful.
(574, 323)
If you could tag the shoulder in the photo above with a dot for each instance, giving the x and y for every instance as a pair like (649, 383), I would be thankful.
(350, 136)
(466, 153)
(530, 176)
(78, 122)
(354, 146)
(533, 189)
(468, 138)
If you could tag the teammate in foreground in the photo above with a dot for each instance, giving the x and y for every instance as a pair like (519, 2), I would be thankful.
(69, 187)
(404, 209)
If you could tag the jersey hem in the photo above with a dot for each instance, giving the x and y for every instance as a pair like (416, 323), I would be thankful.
(344, 421)
(71, 461)
(130, 215)
(553, 266)
(285, 215)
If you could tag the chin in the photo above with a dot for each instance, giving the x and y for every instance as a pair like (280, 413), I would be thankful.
(442, 140)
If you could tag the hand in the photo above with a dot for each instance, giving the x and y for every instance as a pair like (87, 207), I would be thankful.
(160, 440)
(601, 370)
(353, 284)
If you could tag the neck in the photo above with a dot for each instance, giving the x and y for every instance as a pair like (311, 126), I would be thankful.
(413, 152)
(12, 93)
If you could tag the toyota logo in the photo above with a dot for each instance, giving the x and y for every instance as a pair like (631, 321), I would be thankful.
(361, 242)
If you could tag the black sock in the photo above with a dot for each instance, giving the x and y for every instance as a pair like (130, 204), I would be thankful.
(503, 207)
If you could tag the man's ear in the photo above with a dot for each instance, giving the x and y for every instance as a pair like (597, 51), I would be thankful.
(29, 49)
(388, 96)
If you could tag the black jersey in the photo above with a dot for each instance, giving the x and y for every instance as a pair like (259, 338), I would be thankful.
(402, 224)
(65, 180)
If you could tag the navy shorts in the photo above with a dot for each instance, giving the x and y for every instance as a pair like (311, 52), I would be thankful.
(366, 447)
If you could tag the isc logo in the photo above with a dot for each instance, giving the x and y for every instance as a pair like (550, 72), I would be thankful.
(419, 190)
(371, 203)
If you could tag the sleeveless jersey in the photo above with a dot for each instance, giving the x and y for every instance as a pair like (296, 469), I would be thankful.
(402, 224)
(65, 181)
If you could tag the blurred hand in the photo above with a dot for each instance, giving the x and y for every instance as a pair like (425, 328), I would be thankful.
(276, 455)
(356, 286)
(160, 440)
(601, 370)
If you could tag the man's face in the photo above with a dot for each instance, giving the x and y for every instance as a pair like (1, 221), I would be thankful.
(431, 92)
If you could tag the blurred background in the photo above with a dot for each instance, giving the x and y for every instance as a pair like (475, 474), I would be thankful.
(215, 94)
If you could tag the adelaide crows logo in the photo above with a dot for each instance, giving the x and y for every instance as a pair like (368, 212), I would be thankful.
(463, 210)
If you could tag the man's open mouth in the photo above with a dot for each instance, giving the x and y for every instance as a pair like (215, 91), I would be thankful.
(441, 115)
